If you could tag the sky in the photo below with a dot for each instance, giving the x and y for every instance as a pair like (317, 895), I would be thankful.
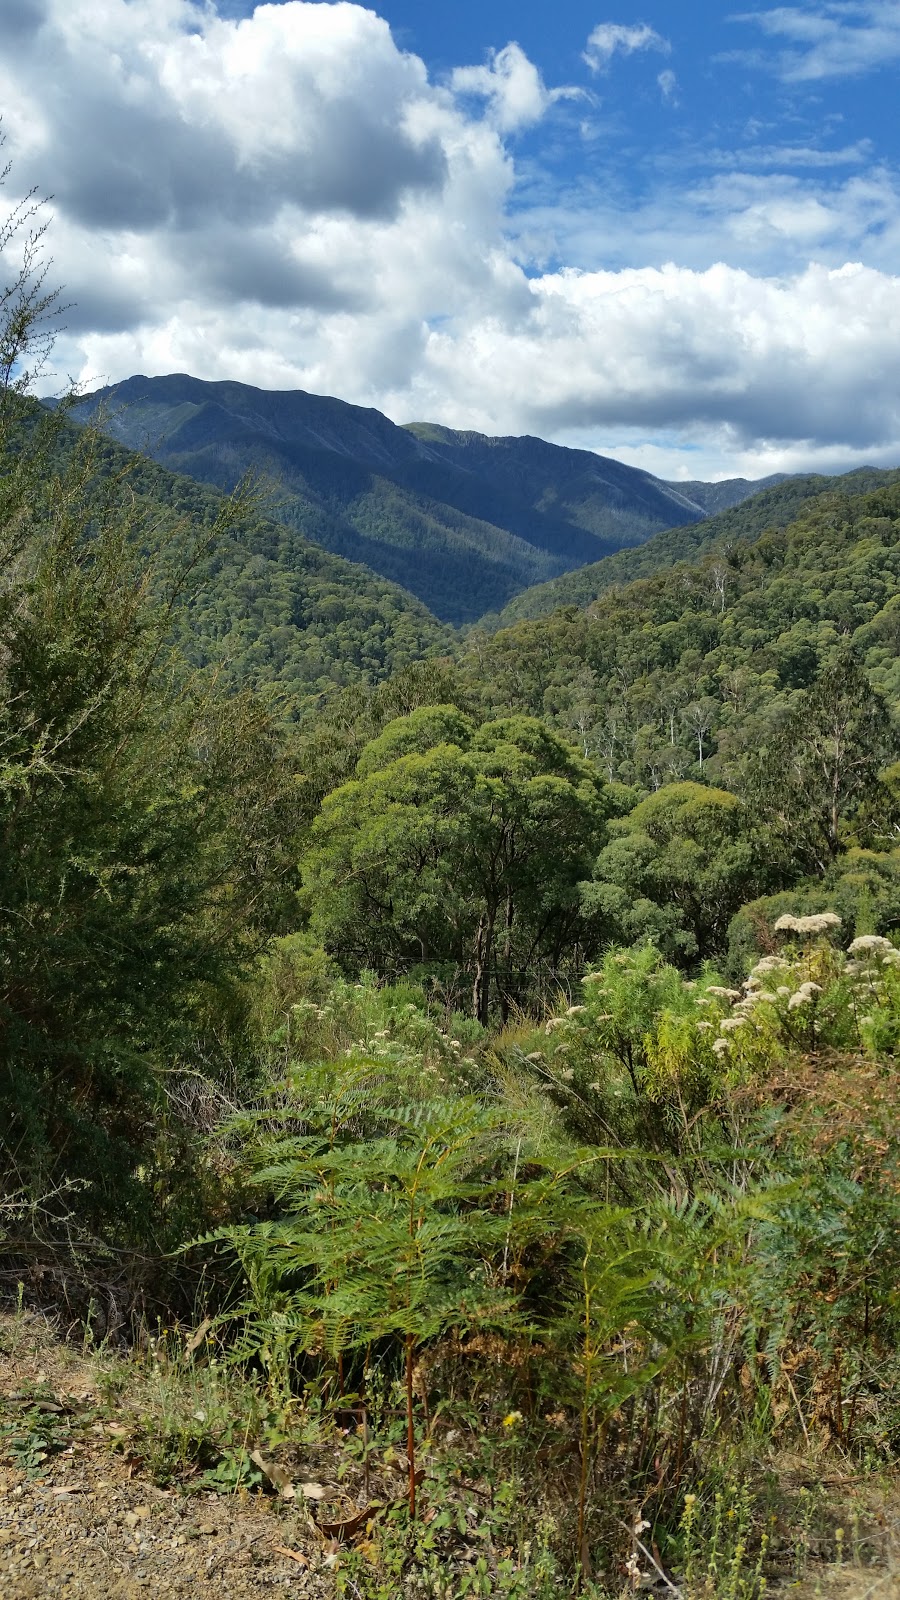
(669, 233)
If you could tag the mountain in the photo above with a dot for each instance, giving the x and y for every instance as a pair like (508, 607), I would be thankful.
(265, 606)
(690, 670)
(774, 507)
(714, 497)
(462, 521)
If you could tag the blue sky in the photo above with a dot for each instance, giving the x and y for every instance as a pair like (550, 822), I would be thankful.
(752, 104)
(667, 233)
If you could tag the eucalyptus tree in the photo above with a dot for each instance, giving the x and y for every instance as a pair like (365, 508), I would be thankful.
(467, 850)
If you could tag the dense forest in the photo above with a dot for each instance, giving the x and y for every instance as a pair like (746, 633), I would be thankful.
(480, 1052)
(461, 520)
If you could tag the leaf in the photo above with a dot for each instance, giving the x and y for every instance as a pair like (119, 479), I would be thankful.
(276, 1475)
(313, 1491)
(197, 1339)
(351, 1525)
(293, 1555)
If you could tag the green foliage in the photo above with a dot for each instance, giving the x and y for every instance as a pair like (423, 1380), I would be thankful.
(146, 822)
(773, 508)
(39, 1432)
(676, 869)
(691, 672)
(438, 855)
(818, 774)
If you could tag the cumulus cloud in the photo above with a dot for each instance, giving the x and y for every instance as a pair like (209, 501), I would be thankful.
(811, 357)
(156, 112)
(512, 86)
(609, 37)
(289, 200)
(832, 41)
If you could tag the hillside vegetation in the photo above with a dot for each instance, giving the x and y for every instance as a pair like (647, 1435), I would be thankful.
(265, 605)
(462, 521)
(465, 1113)
(773, 507)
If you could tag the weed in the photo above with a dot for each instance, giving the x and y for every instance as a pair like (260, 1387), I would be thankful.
(40, 1432)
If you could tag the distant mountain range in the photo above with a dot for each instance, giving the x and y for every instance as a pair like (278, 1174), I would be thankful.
(462, 521)
(772, 508)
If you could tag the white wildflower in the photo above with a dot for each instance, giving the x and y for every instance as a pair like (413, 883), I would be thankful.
(575, 1011)
(820, 922)
(782, 991)
(768, 964)
(729, 1023)
(702, 1026)
(720, 1046)
(871, 943)
(723, 994)
(799, 999)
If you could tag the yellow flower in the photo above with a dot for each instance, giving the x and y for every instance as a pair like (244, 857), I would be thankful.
(512, 1419)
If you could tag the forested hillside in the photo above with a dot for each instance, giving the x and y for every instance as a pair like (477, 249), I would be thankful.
(772, 507)
(450, 1093)
(265, 605)
(462, 521)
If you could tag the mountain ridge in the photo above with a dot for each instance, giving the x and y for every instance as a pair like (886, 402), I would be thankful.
(463, 521)
(773, 507)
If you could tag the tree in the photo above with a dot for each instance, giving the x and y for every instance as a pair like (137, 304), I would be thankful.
(677, 869)
(143, 818)
(440, 854)
(28, 308)
(819, 770)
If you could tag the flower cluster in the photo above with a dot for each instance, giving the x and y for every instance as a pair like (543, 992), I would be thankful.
(821, 922)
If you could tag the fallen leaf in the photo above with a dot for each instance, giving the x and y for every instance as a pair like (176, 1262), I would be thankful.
(293, 1555)
(350, 1525)
(313, 1491)
(276, 1475)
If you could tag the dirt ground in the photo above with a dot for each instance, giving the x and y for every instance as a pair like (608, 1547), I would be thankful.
(91, 1526)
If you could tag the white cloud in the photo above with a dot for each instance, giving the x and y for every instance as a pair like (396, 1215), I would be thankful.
(837, 40)
(785, 156)
(512, 86)
(767, 220)
(668, 83)
(609, 37)
(814, 357)
(289, 200)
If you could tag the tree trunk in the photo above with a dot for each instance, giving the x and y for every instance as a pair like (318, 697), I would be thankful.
(481, 989)
(507, 961)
